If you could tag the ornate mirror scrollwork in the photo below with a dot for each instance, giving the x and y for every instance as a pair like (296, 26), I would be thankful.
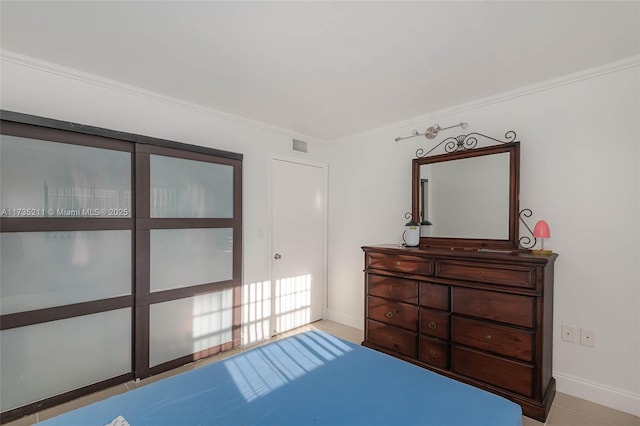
(473, 192)
(465, 142)
(526, 241)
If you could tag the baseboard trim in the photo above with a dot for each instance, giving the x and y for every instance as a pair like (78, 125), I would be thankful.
(610, 397)
(351, 321)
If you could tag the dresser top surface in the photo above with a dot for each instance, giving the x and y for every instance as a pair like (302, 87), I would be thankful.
(464, 253)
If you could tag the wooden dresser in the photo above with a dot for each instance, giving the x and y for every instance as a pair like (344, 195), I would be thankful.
(484, 318)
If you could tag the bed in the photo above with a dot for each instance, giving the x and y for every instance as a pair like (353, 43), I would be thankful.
(312, 378)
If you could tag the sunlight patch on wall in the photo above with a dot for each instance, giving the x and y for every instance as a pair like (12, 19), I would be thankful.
(212, 319)
(256, 312)
(293, 302)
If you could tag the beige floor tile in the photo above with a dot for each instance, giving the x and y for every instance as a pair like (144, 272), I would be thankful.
(218, 357)
(136, 384)
(340, 330)
(81, 402)
(561, 416)
(526, 421)
(24, 421)
(597, 411)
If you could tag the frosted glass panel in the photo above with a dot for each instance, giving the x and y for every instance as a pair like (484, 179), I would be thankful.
(185, 326)
(41, 178)
(45, 269)
(189, 189)
(43, 360)
(186, 257)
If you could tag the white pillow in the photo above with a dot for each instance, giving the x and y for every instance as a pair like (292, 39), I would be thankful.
(118, 421)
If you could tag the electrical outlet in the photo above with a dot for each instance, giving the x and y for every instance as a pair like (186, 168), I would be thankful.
(569, 333)
(587, 337)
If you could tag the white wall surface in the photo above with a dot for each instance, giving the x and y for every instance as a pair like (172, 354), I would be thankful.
(580, 165)
(580, 172)
(37, 88)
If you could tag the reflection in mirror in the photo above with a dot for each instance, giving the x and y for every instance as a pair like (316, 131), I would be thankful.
(467, 198)
(424, 202)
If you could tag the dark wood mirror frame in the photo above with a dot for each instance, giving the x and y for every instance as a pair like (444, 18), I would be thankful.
(513, 148)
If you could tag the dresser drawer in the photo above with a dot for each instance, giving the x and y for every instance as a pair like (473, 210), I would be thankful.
(509, 341)
(492, 274)
(393, 288)
(400, 263)
(510, 375)
(392, 312)
(393, 338)
(434, 352)
(434, 323)
(507, 308)
(434, 296)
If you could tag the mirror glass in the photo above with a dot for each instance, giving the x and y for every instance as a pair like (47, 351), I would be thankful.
(468, 198)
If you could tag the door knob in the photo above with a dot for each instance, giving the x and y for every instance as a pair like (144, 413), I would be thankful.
(277, 256)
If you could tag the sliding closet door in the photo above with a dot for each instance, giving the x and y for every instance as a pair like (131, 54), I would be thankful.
(121, 257)
(66, 263)
(188, 243)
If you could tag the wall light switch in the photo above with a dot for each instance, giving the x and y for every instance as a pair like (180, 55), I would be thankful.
(569, 333)
(587, 337)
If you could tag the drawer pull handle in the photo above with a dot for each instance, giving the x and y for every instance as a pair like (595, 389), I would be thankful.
(433, 325)
(488, 337)
(397, 263)
(389, 314)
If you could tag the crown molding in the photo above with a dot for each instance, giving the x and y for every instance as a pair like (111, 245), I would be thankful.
(52, 68)
(49, 67)
(613, 67)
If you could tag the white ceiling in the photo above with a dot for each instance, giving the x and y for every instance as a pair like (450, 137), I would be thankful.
(324, 69)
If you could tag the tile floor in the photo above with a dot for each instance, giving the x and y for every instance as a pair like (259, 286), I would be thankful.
(565, 411)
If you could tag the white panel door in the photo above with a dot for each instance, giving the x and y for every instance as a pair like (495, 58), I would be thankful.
(298, 194)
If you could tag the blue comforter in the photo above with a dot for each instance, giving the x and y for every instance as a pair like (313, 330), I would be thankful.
(309, 379)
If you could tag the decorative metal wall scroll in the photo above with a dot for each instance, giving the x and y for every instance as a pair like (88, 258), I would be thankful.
(526, 242)
(465, 143)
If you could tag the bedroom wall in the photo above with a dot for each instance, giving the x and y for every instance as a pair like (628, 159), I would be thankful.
(580, 171)
(33, 87)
